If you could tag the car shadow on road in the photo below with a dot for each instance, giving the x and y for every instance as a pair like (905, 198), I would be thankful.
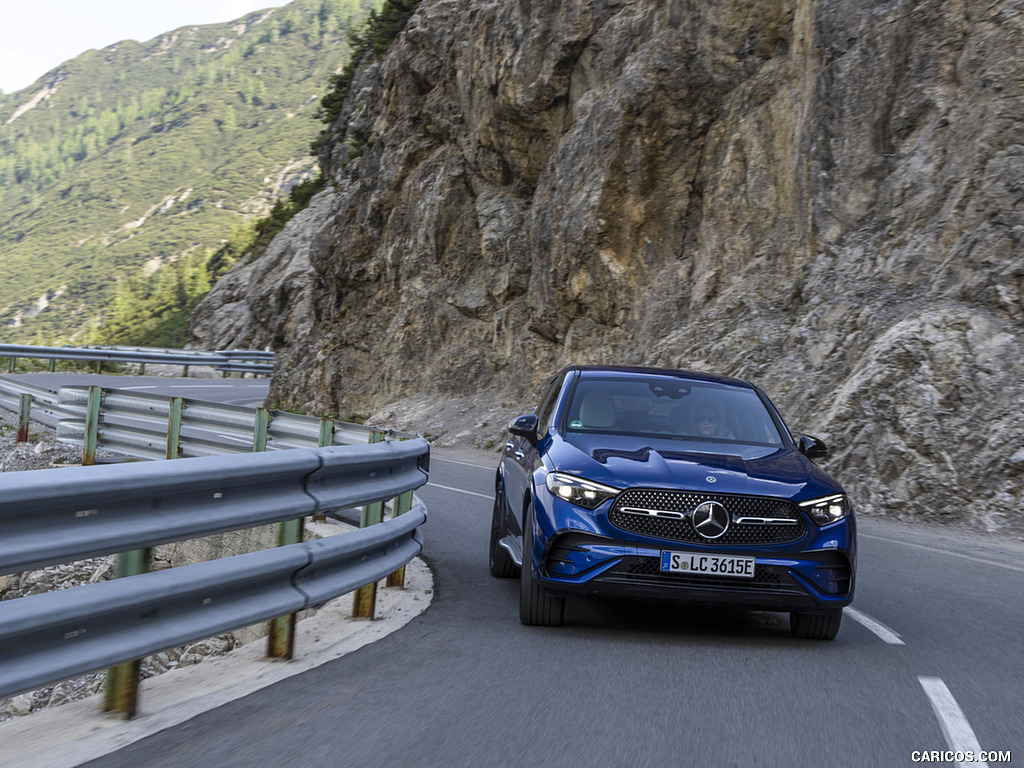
(676, 621)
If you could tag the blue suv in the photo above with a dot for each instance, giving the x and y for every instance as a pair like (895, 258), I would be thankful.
(653, 483)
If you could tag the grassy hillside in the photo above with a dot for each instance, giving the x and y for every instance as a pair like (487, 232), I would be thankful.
(151, 154)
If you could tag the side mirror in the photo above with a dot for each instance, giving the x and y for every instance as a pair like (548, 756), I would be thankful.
(525, 426)
(812, 447)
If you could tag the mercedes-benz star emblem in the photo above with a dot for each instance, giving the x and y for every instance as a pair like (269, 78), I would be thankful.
(710, 519)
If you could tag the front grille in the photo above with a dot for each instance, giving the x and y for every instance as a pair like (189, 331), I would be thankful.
(647, 570)
(665, 514)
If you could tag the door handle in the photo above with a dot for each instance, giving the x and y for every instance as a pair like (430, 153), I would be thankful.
(519, 454)
(509, 446)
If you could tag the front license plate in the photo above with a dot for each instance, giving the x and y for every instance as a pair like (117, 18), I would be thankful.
(715, 565)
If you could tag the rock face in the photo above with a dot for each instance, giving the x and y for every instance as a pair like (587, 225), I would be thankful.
(824, 196)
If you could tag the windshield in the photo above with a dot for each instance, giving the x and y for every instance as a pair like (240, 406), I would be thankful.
(672, 408)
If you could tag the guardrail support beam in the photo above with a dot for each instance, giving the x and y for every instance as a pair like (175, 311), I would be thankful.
(400, 506)
(121, 689)
(121, 685)
(325, 439)
(259, 430)
(364, 603)
(280, 631)
(174, 428)
(24, 415)
(92, 426)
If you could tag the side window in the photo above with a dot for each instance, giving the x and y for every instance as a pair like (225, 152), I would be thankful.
(547, 403)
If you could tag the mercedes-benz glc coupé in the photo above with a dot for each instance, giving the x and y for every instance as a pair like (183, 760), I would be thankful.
(652, 483)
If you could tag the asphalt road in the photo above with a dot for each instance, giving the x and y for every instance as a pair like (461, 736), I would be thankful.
(929, 659)
(466, 684)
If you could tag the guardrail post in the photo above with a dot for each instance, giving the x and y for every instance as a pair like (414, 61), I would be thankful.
(184, 371)
(121, 693)
(174, 428)
(259, 430)
(53, 364)
(325, 439)
(121, 689)
(280, 630)
(92, 426)
(364, 605)
(401, 505)
(24, 413)
(142, 369)
(99, 366)
(11, 362)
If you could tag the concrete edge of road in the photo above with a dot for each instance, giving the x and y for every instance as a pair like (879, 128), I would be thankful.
(74, 733)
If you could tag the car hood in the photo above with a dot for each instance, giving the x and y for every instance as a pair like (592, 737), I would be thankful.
(624, 461)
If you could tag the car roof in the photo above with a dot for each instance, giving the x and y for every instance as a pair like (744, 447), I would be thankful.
(630, 370)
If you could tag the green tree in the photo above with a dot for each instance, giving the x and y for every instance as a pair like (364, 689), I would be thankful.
(229, 121)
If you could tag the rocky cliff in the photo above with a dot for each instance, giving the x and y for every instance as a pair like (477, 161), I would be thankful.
(824, 196)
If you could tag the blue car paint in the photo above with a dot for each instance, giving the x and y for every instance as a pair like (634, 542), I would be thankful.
(626, 461)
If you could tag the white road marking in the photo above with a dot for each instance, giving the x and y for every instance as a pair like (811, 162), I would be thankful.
(877, 627)
(200, 386)
(149, 386)
(434, 457)
(944, 552)
(459, 490)
(958, 733)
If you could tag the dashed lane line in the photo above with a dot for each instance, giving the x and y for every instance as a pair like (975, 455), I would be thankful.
(459, 490)
(435, 457)
(955, 727)
(201, 386)
(886, 634)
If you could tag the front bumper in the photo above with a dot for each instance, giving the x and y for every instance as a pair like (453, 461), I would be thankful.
(586, 565)
(583, 554)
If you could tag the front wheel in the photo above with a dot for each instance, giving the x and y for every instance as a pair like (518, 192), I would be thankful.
(536, 607)
(819, 625)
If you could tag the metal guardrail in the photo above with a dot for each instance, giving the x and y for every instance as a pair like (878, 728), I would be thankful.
(227, 361)
(47, 408)
(138, 423)
(55, 515)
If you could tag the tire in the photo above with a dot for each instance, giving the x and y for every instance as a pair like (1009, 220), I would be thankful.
(501, 563)
(536, 607)
(821, 625)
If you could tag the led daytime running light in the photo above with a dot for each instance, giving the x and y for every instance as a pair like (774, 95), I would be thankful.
(578, 491)
(826, 510)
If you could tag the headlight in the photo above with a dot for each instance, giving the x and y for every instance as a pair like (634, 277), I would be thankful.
(576, 490)
(827, 510)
